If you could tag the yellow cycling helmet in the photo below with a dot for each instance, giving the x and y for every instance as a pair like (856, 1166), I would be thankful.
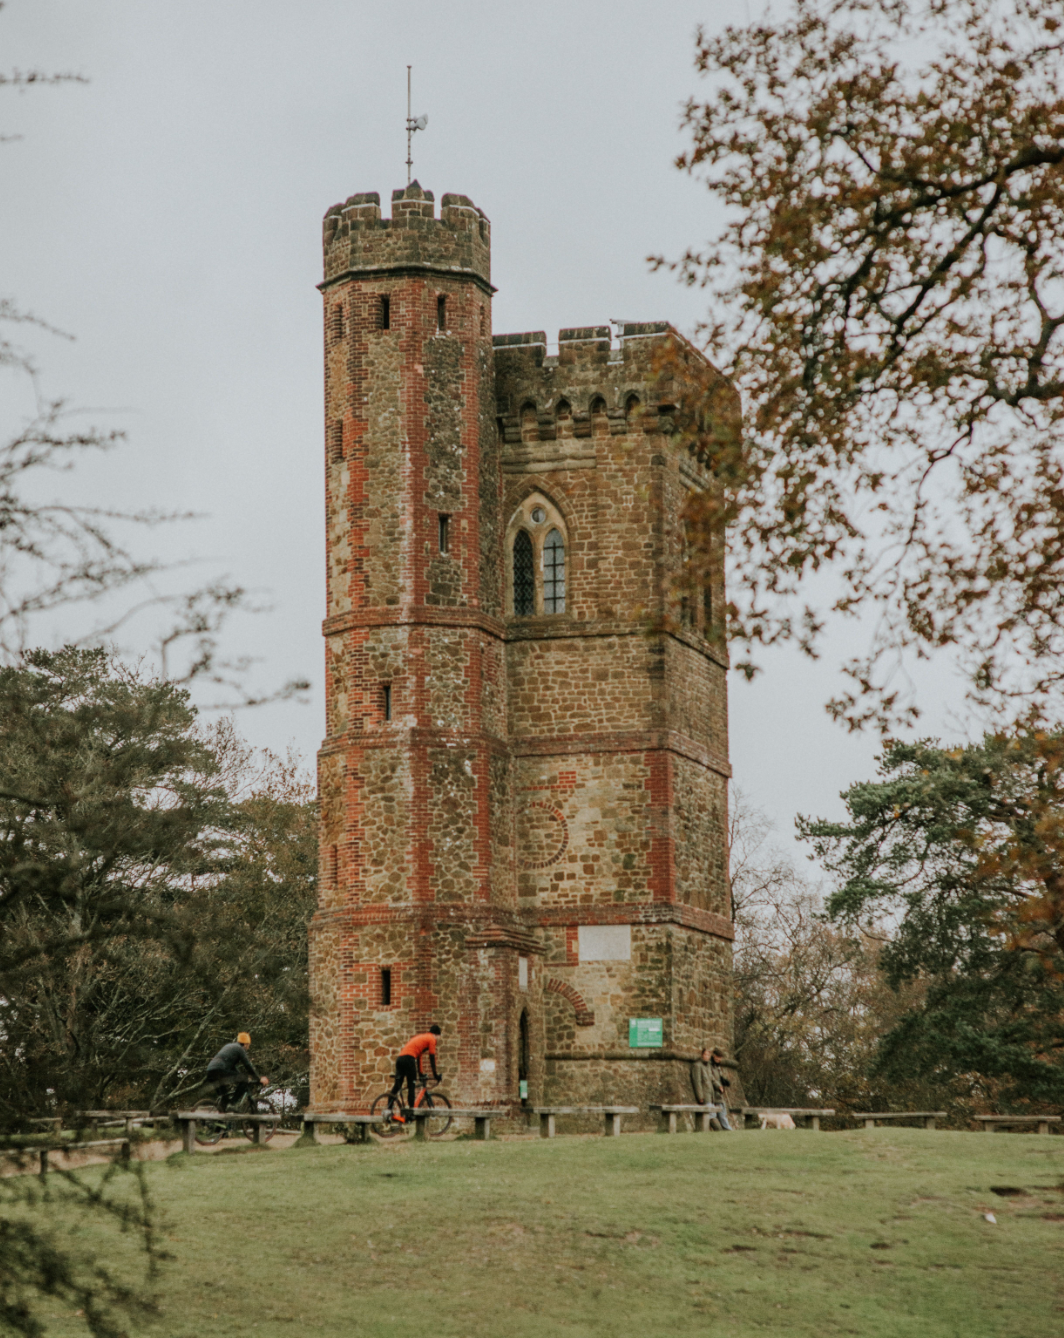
(243, 1038)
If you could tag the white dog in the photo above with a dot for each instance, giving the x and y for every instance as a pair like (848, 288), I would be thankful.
(776, 1122)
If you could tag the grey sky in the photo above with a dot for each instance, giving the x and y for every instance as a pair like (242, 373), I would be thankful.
(168, 214)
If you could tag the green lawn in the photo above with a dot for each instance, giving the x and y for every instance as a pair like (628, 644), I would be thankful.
(877, 1233)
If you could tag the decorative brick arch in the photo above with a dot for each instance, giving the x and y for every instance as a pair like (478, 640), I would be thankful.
(585, 1017)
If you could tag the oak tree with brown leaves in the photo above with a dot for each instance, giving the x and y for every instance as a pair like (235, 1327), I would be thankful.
(888, 297)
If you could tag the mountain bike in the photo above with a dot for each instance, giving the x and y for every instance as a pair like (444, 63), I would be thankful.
(261, 1102)
(389, 1106)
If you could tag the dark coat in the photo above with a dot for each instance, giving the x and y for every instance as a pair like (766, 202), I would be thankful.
(228, 1062)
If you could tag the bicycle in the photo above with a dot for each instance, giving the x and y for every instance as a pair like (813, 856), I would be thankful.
(263, 1102)
(426, 1098)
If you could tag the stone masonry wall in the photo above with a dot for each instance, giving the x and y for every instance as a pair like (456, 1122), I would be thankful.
(498, 789)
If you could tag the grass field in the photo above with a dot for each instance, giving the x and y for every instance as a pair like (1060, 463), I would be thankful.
(878, 1233)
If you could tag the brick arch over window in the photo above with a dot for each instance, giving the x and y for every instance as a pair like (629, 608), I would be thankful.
(585, 1017)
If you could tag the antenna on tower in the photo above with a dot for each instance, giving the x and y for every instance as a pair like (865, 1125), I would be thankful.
(412, 123)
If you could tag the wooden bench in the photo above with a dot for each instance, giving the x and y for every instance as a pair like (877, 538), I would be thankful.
(128, 1119)
(669, 1114)
(481, 1118)
(611, 1116)
(870, 1116)
(44, 1152)
(812, 1117)
(361, 1123)
(186, 1121)
(992, 1122)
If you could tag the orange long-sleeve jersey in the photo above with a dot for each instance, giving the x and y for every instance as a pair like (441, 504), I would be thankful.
(417, 1045)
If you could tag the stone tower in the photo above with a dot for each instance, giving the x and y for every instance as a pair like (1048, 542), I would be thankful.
(523, 781)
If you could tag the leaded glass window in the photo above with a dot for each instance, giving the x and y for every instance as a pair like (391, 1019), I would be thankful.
(554, 573)
(524, 575)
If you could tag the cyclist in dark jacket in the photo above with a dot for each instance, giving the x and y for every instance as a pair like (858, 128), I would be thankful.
(224, 1071)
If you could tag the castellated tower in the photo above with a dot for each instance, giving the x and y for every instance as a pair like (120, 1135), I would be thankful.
(522, 786)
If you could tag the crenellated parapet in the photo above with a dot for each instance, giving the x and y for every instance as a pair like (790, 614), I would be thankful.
(591, 386)
(357, 241)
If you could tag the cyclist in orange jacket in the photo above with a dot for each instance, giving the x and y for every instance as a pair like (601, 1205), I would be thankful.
(408, 1067)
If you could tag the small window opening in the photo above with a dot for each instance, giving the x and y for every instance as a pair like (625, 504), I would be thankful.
(386, 986)
(337, 322)
(524, 575)
(386, 313)
(481, 320)
(524, 1047)
(336, 440)
(386, 691)
(441, 313)
(554, 573)
(445, 534)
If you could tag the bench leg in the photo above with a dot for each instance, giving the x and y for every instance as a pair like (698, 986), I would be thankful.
(188, 1135)
(260, 1134)
(546, 1126)
(672, 1121)
(929, 1123)
(44, 1162)
(814, 1123)
(702, 1123)
(988, 1128)
(612, 1127)
(1043, 1128)
(869, 1124)
(309, 1134)
(420, 1122)
(482, 1127)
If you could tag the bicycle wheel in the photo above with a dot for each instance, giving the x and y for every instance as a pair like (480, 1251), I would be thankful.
(380, 1107)
(259, 1105)
(437, 1124)
(209, 1132)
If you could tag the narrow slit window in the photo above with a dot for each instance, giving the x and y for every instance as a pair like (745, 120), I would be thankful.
(524, 575)
(386, 313)
(386, 696)
(441, 313)
(337, 322)
(554, 573)
(386, 986)
(445, 534)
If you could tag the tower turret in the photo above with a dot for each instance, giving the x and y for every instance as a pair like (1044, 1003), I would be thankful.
(417, 913)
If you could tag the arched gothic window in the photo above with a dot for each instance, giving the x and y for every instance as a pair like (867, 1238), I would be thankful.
(524, 575)
(537, 540)
(554, 573)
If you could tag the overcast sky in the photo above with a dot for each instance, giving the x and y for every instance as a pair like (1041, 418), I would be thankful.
(168, 214)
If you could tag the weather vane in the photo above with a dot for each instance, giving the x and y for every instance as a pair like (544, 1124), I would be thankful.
(412, 124)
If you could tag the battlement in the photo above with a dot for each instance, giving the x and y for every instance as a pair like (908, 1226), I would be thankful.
(640, 383)
(356, 240)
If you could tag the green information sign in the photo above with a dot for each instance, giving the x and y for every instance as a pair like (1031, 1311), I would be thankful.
(645, 1031)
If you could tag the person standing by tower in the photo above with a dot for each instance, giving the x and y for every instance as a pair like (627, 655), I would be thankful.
(710, 1084)
(408, 1067)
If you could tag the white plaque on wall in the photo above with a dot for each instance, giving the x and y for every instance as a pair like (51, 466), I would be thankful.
(605, 943)
(487, 1066)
